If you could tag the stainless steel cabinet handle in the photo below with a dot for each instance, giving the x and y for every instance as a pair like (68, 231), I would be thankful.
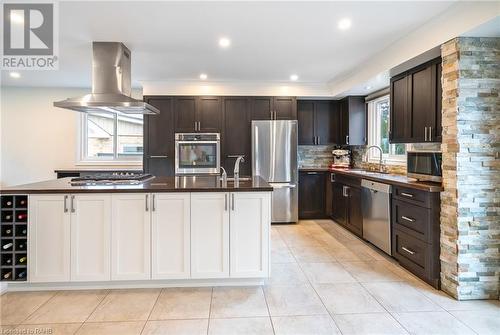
(147, 203)
(235, 156)
(345, 191)
(347, 139)
(199, 125)
(407, 218)
(195, 126)
(65, 204)
(159, 156)
(312, 172)
(425, 134)
(408, 251)
(317, 141)
(153, 206)
(407, 194)
(430, 134)
(232, 201)
(73, 209)
(332, 177)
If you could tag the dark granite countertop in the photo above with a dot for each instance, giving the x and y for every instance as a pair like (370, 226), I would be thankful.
(393, 179)
(157, 184)
(314, 168)
(94, 169)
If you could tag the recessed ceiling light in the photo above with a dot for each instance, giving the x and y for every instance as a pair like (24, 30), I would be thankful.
(16, 18)
(203, 76)
(368, 87)
(224, 42)
(15, 75)
(294, 77)
(344, 24)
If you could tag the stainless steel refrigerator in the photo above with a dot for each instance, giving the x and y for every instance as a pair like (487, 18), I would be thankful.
(274, 158)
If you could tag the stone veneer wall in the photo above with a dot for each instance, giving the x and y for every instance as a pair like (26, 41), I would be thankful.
(470, 203)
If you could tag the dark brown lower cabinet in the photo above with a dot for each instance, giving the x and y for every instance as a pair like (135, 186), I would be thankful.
(312, 195)
(355, 216)
(346, 203)
(415, 236)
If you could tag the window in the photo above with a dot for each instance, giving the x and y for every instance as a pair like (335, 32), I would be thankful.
(111, 137)
(378, 133)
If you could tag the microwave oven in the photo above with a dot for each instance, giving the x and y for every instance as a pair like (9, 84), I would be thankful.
(424, 165)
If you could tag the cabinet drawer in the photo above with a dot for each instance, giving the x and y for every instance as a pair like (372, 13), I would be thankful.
(411, 252)
(416, 197)
(415, 220)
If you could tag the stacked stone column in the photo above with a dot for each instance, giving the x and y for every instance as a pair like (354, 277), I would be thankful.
(470, 203)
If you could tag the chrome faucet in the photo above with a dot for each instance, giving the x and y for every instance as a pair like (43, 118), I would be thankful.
(380, 168)
(240, 159)
(223, 178)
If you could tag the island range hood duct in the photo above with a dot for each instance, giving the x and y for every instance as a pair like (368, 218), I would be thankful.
(110, 84)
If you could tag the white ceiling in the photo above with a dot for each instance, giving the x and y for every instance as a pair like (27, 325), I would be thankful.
(270, 41)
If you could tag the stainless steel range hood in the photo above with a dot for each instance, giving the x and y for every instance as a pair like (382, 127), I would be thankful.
(110, 84)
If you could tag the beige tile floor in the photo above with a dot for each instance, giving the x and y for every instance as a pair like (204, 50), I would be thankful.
(324, 281)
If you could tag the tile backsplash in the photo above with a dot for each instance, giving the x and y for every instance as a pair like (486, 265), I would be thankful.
(315, 155)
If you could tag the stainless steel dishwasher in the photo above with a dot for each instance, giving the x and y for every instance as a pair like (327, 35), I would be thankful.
(376, 204)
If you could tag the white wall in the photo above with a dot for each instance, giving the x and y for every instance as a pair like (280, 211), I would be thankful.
(235, 88)
(36, 138)
(460, 18)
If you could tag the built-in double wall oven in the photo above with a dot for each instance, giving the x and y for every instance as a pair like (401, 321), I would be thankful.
(197, 153)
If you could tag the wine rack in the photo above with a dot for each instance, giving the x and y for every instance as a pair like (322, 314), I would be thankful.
(13, 237)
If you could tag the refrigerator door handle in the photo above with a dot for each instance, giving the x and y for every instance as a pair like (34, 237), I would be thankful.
(283, 185)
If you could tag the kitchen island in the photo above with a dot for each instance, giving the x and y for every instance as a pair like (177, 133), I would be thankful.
(167, 231)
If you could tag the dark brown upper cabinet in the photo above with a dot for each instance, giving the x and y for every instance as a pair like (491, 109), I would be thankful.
(274, 108)
(285, 108)
(352, 110)
(209, 114)
(185, 114)
(318, 122)
(158, 156)
(400, 119)
(198, 114)
(416, 104)
(236, 134)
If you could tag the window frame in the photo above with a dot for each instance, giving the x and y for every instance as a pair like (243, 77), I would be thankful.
(373, 130)
(82, 146)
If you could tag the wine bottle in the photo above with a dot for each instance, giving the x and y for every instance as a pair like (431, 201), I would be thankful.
(8, 261)
(8, 231)
(7, 275)
(7, 217)
(22, 259)
(24, 231)
(7, 246)
(22, 203)
(22, 216)
(9, 203)
(21, 274)
(20, 246)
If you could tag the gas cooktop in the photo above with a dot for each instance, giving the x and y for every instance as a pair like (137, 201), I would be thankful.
(127, 178)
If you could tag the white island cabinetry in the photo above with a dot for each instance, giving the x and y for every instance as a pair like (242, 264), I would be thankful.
(136, 237)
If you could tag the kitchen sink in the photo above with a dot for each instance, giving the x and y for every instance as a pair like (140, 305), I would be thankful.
(360, 171)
